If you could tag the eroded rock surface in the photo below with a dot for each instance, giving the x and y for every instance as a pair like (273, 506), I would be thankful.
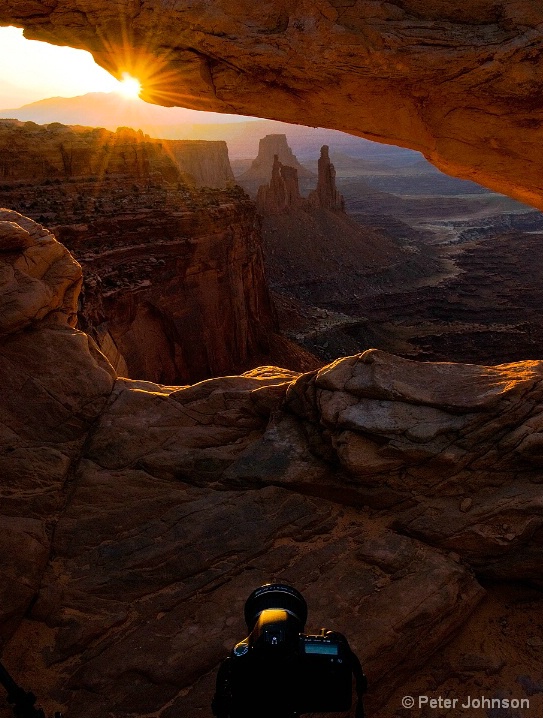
(55, 152)
(136, 518)
(174, 279)
(457, 83)
(282, 193)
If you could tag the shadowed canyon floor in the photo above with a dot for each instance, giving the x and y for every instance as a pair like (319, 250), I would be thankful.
(136, 518)
(447, 272)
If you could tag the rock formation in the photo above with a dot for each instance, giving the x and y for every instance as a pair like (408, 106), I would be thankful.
(174, 278)
(136, 518)
(262, 166)
(326, 195)
(457, 84)
(376, 485)
(178, 294)
(49, 152)
(282, 193)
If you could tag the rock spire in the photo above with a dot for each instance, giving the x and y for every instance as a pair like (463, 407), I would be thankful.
(270, 146)
(282, 192)
(326, 195)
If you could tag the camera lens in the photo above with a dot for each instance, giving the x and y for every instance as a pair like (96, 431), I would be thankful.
(279, 596)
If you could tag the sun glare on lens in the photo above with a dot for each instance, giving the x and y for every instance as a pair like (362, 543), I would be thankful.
(129, 87)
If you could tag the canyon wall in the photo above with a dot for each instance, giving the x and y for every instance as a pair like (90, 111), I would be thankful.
(174, 286)
(176, 296)
(458, 83)
(29, 151)
(207, 162)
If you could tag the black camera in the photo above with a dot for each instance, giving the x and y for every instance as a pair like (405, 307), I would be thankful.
(280, 672)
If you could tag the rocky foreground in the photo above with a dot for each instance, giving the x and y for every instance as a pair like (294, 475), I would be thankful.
(136, 518)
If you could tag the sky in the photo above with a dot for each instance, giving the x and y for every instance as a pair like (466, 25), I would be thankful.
(32, 71)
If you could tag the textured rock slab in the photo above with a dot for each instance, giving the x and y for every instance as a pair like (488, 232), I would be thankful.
(38, 277)
(54, 383)
(457, 83)
(155, 574)
(192, 433)
(454, 448)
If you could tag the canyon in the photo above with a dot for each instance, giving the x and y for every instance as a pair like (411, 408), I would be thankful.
(403, 498)
(419, 264)
(174, 287)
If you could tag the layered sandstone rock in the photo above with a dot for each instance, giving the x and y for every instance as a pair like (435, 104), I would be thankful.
(56, 152)
(178, 294)
(137, 517)
(282, 193)
(265, 164)
(456, 83)
(174, 278)
(326, 195)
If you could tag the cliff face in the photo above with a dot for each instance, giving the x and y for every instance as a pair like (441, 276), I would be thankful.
(457, 83)
(206, 162)
(136, 518)
(57, 152)
(34, 152)
(174, 280)
(176, 296)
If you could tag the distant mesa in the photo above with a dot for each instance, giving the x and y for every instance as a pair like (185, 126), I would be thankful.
(32, 152)
(261, 167)
(282, 193)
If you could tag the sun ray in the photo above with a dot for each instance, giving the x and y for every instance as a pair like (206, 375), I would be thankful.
(129, 87)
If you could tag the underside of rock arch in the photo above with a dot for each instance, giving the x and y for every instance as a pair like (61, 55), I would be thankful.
(460, 82)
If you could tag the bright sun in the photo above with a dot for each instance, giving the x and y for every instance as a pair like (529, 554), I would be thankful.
(129, 87)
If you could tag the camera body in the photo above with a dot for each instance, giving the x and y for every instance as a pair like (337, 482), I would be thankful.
(278, 671)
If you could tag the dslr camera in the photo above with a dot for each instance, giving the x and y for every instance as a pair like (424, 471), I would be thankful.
(279, 671)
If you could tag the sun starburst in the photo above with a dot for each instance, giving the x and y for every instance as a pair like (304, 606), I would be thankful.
(129, 87)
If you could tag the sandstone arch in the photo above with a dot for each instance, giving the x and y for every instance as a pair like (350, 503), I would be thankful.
(459, 82)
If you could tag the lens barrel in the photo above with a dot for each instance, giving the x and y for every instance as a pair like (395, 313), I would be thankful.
(279, 596)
